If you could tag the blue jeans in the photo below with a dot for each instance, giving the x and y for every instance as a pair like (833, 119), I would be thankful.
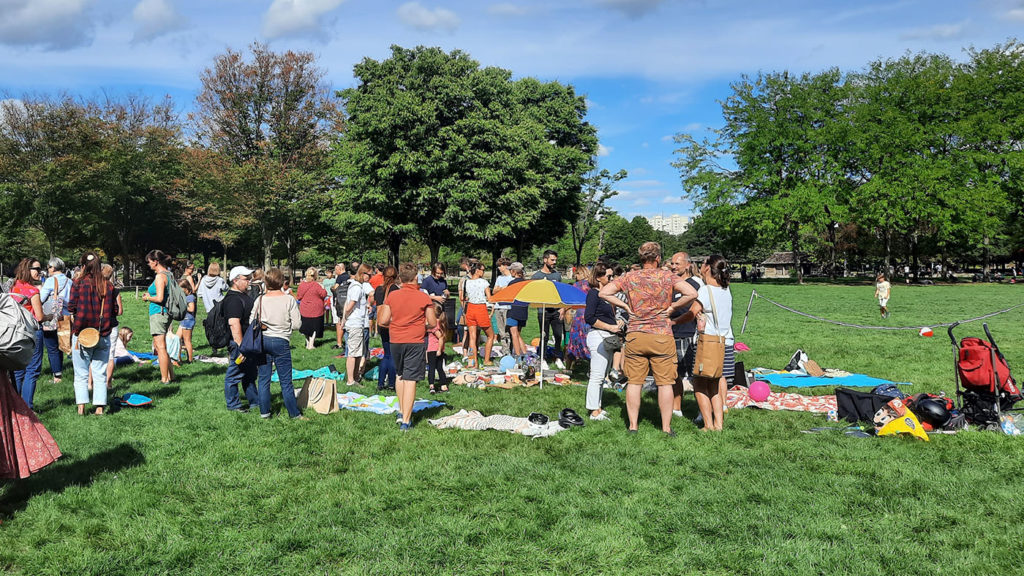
(278, 353)
(53, 352)
(244, 375)
(386, 368)
(91, 360)
(25, 380)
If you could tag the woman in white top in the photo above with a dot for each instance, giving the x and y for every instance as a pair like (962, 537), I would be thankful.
(478, 291)
(714, 300)
(279, 313)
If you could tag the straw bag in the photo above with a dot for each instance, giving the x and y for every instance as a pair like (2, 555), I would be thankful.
(90, 337)
(320, 394)
(709, 358)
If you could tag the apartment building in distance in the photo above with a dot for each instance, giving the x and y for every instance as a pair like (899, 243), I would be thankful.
(674, 224)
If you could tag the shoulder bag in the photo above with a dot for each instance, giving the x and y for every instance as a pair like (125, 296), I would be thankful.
(709, 357)
(52, 308)
(252, 339)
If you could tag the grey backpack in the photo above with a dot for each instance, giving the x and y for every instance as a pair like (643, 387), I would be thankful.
(174, 300)
(17, 333)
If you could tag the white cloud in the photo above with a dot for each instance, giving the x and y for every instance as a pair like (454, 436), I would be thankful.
(937, 32)
(692, 127)
(641, 202)
(508, 9)
(298, 18)
(632, 8)
(645, 183)
(417, 16)
(1016, 14)
(672, 200)
(154, 18)
(668, 138)
(603, 150)
(51, 24)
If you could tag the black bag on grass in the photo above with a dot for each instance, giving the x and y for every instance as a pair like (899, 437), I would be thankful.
(854, 406)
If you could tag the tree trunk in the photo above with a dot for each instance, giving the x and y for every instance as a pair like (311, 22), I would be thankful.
(495, 254)
(794, 229)
(268, 245)
(435, 250)
(394, 246)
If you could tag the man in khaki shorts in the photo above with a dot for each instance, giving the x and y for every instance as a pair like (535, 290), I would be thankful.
(650, 346)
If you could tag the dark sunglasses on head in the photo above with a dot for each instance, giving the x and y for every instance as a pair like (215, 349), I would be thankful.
(36, 268)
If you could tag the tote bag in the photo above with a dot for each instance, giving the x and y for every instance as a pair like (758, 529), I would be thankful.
(320, 394)
(252, 340)
(709, 358)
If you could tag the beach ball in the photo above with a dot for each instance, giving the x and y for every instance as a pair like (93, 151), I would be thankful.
(927, 332)
(507, 363)
(759, 391)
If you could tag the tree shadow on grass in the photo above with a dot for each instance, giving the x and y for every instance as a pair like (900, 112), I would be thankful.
(66, 473)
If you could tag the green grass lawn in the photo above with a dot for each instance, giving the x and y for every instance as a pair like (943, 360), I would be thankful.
(189, 488)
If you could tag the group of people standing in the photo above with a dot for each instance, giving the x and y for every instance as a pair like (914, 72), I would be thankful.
(91, 303)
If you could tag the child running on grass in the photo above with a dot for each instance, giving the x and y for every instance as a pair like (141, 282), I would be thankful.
(882, 288)
(435, 351)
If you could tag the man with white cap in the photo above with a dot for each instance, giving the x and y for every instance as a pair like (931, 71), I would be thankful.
(241, 370)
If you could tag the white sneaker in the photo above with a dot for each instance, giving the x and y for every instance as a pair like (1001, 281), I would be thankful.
(559, 363)
(677, 413)
(602, 415)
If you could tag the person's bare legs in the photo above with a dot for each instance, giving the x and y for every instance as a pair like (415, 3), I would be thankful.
(633, 404)
(700, 392)
(718, 405)
(472, 349)
(339, 331)
(665, 398)
(677, 395)
(352, 366)
(186, 340)
(160, 344)
(723, 388)
(489, 345)
(406, 391)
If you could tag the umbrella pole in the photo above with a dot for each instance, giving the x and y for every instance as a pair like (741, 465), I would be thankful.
(543, 347)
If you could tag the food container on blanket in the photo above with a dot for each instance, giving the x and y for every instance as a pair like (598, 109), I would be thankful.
(498, 379)
(561, 379)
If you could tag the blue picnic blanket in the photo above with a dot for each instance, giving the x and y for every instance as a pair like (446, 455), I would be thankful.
(324, 372)
(798, 380)
(380, 404)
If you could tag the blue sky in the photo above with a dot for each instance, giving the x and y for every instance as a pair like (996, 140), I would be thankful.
(649, 68)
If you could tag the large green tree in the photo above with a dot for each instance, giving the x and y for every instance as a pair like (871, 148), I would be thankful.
(50, 167)
(271, 117)
(454, 154)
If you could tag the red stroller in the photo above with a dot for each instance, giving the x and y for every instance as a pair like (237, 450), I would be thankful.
(984, 387)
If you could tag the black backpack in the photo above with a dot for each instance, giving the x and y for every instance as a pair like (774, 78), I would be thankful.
(218, 333)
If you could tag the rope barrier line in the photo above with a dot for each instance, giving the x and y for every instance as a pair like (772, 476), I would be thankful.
(755, 294)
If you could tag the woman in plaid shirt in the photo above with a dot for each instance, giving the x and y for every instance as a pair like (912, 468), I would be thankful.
(93, 304)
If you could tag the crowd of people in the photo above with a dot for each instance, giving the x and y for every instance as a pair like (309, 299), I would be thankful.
(638, 326)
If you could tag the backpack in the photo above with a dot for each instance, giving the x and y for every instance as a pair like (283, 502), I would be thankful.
(218, 334)
(17, 333)
(174, 300)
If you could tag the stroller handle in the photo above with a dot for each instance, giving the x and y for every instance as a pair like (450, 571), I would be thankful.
(950, 332)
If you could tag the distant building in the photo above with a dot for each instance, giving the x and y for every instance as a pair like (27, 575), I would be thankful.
(674, 224)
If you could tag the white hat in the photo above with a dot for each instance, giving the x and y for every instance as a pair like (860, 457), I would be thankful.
(238, 271)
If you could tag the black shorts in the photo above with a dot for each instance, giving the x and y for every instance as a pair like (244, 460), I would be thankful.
(410, 360)
(686, 349)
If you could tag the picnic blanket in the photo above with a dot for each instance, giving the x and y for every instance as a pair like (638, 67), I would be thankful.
(474, 420)
(324, 372)
(803, 380)
(737, 397)
(380, 404)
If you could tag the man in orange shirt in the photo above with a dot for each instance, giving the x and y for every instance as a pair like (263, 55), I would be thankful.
(408, 314)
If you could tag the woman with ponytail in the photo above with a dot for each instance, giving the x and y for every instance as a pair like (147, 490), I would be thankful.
(159, 320)
(93, 304)
(713, 311)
